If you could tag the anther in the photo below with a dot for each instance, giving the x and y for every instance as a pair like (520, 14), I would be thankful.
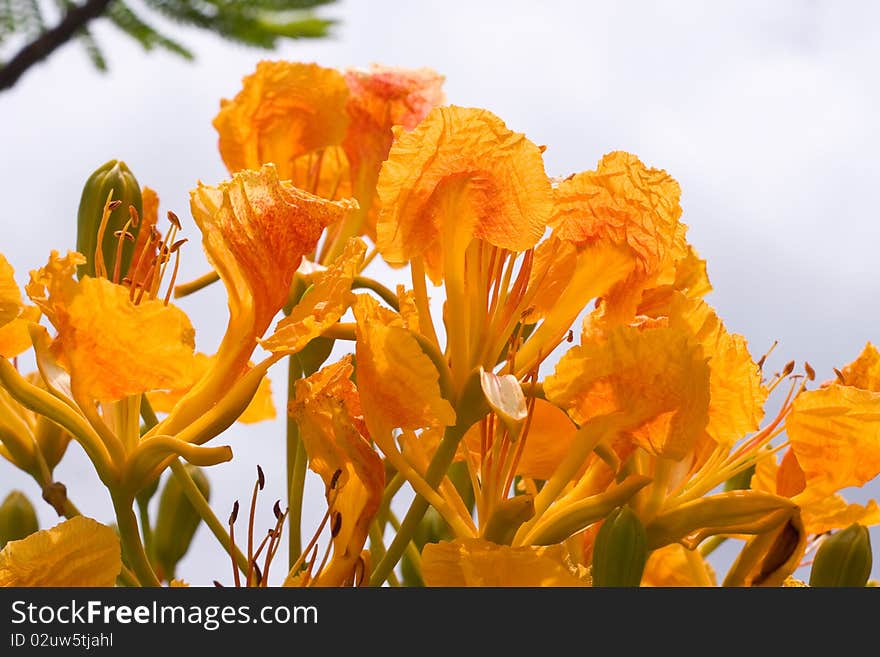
(789, 366)
(218, 584)
(234, 515)
(335, 479)
(173, 219)
(811, 373)
(840, 377)
(261, 478)
(124, 234)
(112, 205)
(277, 510)
(337, 524)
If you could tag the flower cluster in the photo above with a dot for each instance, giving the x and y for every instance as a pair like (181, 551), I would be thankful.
(574, 414)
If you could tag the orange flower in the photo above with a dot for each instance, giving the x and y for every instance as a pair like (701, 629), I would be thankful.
(327, 409)
(460, 174)
(283, 111)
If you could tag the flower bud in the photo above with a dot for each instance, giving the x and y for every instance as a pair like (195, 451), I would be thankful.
(116, 176)
(176, 521)
(843, 559)
(52, 439)
(17, 518)
(620, 550)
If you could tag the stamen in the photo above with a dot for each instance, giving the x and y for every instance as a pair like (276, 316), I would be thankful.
(121, 236)
(811, 373)
(100, 268)
(175, 221)
(232, 518)
(175, 249)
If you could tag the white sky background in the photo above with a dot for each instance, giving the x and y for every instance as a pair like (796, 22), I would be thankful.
(766, 114)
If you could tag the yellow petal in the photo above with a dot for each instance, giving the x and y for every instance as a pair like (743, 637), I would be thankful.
(398, 383)
(657, 376)
(76, 552)
(549, 437)
(255, 231)
(115, 348)
(261, 407)
(14, 336)
(327, 409)
(864, 371)
(669, 566)
(464, 166)
(736, 396)
(324, 304)
(283, 111)
(475, 562)
(10, 295)
(834, 512)
(835, 433)
(54, 284)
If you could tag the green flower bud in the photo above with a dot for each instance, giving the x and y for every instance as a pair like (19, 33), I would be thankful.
(620, 550)
(843, 559)
(52, 439)
(116, 176)
(17, 518)
(176, 521)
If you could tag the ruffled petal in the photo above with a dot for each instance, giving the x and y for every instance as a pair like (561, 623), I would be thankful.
(327, 409)
(658, 377)
(864, 371)
(10, 295)
(835, 434)
(76, 552)
(398, 382)
(323, 306)
(461, 174)
(283, 111)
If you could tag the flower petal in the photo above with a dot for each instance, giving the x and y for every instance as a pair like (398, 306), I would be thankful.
(10, 295)
(398, 382)
(669, 566)
(14, 336)
(835, 434)
(327, 409)
(323, 305)
(76, 552)
(657, 376)
(864, 371)
(283, 111)
(475, 562)
(460, 174)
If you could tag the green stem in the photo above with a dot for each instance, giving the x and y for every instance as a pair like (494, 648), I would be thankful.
(387, 295)
(131, 542)
(194, 495)
(436, 471)
(296, 470)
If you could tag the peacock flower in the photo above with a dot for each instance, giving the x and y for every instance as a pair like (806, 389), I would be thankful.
(327, 408)
(76, 552)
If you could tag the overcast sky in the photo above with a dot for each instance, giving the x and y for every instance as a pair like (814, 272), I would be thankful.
(766, 113)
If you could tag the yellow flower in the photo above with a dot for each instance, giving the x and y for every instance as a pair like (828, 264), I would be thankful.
(475, 562)
(76, 552)
(327, 409)
(14, 315)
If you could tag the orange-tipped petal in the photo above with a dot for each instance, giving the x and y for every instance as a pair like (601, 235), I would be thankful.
(255, 231)
(475, 562)
(398, 382)
(283, 111)
(327, 409)
(76, 552)
(323, 306)
(835, 434)
(657, 376)
(465, 166)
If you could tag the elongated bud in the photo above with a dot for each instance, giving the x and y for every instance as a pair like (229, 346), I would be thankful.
(620, 550)
(113, 176)
(17, 518)
(843, 559)
(176, 521)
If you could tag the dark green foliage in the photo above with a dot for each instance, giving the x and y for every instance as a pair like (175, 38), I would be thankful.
(256, 23)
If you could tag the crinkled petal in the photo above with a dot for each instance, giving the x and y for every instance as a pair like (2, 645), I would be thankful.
(54, 284)
(76, 552)
(475, 562)
(327, 409)
(657, 376)
(398, 382)
(283, 111)
(115, 348)
(460, 174)
(835, 433)
(323, 306)
(255, 231)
